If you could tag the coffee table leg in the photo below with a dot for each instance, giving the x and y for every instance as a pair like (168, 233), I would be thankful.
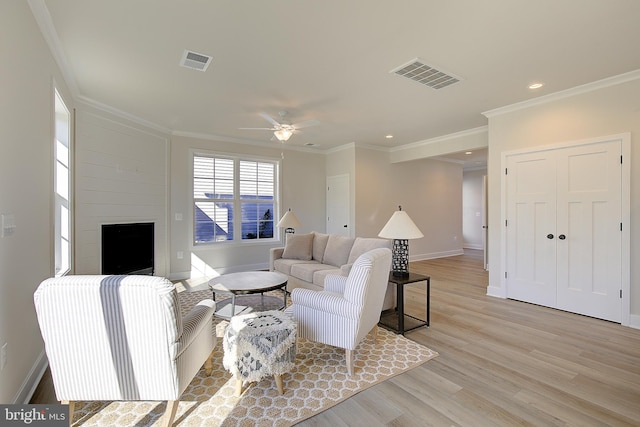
(233, 305)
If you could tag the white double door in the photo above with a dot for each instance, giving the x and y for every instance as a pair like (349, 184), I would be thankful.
(564, 218)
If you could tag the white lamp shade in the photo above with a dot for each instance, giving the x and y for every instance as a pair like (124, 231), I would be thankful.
(401, 227)
(289, 220)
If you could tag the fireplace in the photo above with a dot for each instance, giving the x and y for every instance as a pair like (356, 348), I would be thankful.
(128, 248)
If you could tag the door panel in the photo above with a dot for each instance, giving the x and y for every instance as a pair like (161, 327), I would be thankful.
(530, 218)
(589, 214)
(338, 210)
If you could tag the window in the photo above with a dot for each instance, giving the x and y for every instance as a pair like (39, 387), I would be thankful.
(62, 187)
(231, 194)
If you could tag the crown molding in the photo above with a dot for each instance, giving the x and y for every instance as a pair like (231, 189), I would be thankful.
(340, 148)
(50, 35)
(373, 147)
(121, 114)
(218, 138)
(438, 139)
(585, 88)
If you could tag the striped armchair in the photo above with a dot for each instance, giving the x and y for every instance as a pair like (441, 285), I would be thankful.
(122, 338)
(348, 308)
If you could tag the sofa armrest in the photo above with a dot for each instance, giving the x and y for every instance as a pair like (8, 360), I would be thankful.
(274, 254)
(346, 269)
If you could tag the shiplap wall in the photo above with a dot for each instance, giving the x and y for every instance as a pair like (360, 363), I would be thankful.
(121, 176)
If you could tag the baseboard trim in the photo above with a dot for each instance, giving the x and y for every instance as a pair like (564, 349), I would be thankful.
(30, 383)
(473, 246)
(434, 255)
(634, 321)
(495, 291)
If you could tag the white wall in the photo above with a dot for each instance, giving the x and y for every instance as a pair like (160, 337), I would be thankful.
(430, 191)
(572, 116)
(27, 72)
(121, 176)
(472, 230)
(373, 192)
(302, 187)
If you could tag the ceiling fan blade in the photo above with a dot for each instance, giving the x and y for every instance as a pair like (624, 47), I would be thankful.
(257, 129)
(270, 119)
(306, 124)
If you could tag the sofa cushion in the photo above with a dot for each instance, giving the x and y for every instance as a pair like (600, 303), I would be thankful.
(319, 245)
(298, 246)
(338, 249)
(318, 276)
(305, 271)
(284, 265)
(365, 244)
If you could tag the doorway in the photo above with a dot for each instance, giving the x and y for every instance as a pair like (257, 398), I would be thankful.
(338, 205)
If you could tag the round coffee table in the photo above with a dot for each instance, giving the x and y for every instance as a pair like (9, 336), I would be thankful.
(245, 283)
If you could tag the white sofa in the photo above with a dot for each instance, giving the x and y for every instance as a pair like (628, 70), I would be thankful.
(308, 258)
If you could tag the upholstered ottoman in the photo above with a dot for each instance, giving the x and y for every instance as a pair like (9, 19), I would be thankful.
(259, 344)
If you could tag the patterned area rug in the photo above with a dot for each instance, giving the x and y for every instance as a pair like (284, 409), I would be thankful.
(318, 382)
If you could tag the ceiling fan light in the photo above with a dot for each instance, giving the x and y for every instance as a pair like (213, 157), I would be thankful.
(283, 134)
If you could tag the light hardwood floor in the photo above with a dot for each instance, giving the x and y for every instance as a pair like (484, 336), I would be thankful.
(501, 363)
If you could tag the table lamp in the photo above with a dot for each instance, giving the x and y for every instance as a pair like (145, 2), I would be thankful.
(400, 228)
(289, 222)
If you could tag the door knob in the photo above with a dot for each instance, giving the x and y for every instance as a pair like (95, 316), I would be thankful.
(562, 237)
(549, 236)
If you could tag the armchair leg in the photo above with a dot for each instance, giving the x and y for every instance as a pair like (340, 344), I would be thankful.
(349, 357)
(170, 413)
(375, 334)
(72, 406)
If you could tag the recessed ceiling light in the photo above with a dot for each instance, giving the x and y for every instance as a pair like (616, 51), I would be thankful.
(389, 136)
(468, 152)
(536, 85)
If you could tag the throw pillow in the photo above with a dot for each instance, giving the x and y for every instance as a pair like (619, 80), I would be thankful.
(365, 244)
(319, 245)
(337, 251)
(298, 246)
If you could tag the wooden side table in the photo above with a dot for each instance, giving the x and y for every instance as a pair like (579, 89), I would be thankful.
(397, 320)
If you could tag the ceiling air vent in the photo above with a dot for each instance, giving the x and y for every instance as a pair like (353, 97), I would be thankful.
(195, 61)
(420, 72)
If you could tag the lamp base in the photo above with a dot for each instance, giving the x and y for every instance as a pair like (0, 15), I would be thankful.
(400, 258)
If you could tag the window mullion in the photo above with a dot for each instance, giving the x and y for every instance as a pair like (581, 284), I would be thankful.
(237, 203)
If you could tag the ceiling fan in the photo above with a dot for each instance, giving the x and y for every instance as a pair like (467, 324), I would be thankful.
(283, 129)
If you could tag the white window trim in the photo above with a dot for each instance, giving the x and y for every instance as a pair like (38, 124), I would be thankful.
(237, 222)
(63, 263)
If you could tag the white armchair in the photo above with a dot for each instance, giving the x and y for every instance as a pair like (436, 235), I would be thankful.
(348, 308)
(122, 338)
